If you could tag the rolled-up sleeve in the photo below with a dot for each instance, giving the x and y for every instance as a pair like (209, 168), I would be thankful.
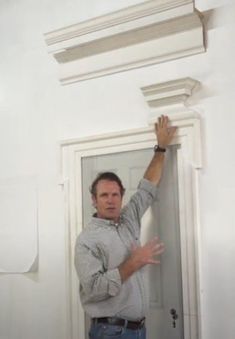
(144, 197)
(149, 187)
(96, 282)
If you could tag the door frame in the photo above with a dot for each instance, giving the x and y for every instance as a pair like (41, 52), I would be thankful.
(189, 163)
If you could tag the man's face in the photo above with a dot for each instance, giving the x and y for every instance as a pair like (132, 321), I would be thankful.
(108, 200)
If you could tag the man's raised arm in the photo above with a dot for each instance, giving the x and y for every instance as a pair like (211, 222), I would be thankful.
(144, 255)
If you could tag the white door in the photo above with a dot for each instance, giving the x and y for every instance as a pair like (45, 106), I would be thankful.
(164, 281)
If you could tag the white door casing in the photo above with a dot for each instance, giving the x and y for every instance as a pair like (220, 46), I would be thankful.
(189, 163)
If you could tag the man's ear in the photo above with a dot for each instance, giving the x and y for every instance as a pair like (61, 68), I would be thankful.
(94, 202)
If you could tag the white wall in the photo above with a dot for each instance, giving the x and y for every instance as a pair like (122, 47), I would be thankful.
(36, 113)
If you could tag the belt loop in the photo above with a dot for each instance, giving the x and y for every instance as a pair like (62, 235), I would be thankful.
(126, 322)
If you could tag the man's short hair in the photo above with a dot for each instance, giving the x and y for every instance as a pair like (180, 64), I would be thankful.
(106, 176)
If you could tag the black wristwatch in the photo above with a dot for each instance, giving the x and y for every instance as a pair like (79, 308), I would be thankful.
(159, 149)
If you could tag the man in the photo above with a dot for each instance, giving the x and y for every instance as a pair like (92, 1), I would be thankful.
(108, 256)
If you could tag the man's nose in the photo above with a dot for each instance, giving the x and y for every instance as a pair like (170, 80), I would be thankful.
(110, 199)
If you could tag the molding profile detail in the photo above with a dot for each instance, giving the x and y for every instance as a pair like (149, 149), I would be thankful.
(145, 34)
(170, 98)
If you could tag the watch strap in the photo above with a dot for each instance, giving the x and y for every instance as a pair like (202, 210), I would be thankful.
(159, 149)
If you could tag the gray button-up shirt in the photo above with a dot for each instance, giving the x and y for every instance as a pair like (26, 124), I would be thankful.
(100, 248)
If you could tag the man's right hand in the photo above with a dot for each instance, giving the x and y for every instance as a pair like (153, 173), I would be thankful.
(141, 256)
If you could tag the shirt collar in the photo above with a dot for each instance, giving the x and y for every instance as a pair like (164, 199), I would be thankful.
(105, 222)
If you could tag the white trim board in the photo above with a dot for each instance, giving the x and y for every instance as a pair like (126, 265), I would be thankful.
(148, 33)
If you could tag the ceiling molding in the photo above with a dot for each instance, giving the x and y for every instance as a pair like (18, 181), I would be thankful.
(145, 34)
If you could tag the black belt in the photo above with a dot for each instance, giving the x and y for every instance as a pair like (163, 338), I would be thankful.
(133, 325)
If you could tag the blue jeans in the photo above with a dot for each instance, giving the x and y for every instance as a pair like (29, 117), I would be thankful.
(107, 331)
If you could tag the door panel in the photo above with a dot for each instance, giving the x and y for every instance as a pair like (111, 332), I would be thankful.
(162, 219)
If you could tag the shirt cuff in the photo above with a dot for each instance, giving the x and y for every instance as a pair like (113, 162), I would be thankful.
(115, 282)
(148, 186)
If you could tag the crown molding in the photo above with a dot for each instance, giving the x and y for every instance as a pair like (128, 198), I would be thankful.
(148, 33)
